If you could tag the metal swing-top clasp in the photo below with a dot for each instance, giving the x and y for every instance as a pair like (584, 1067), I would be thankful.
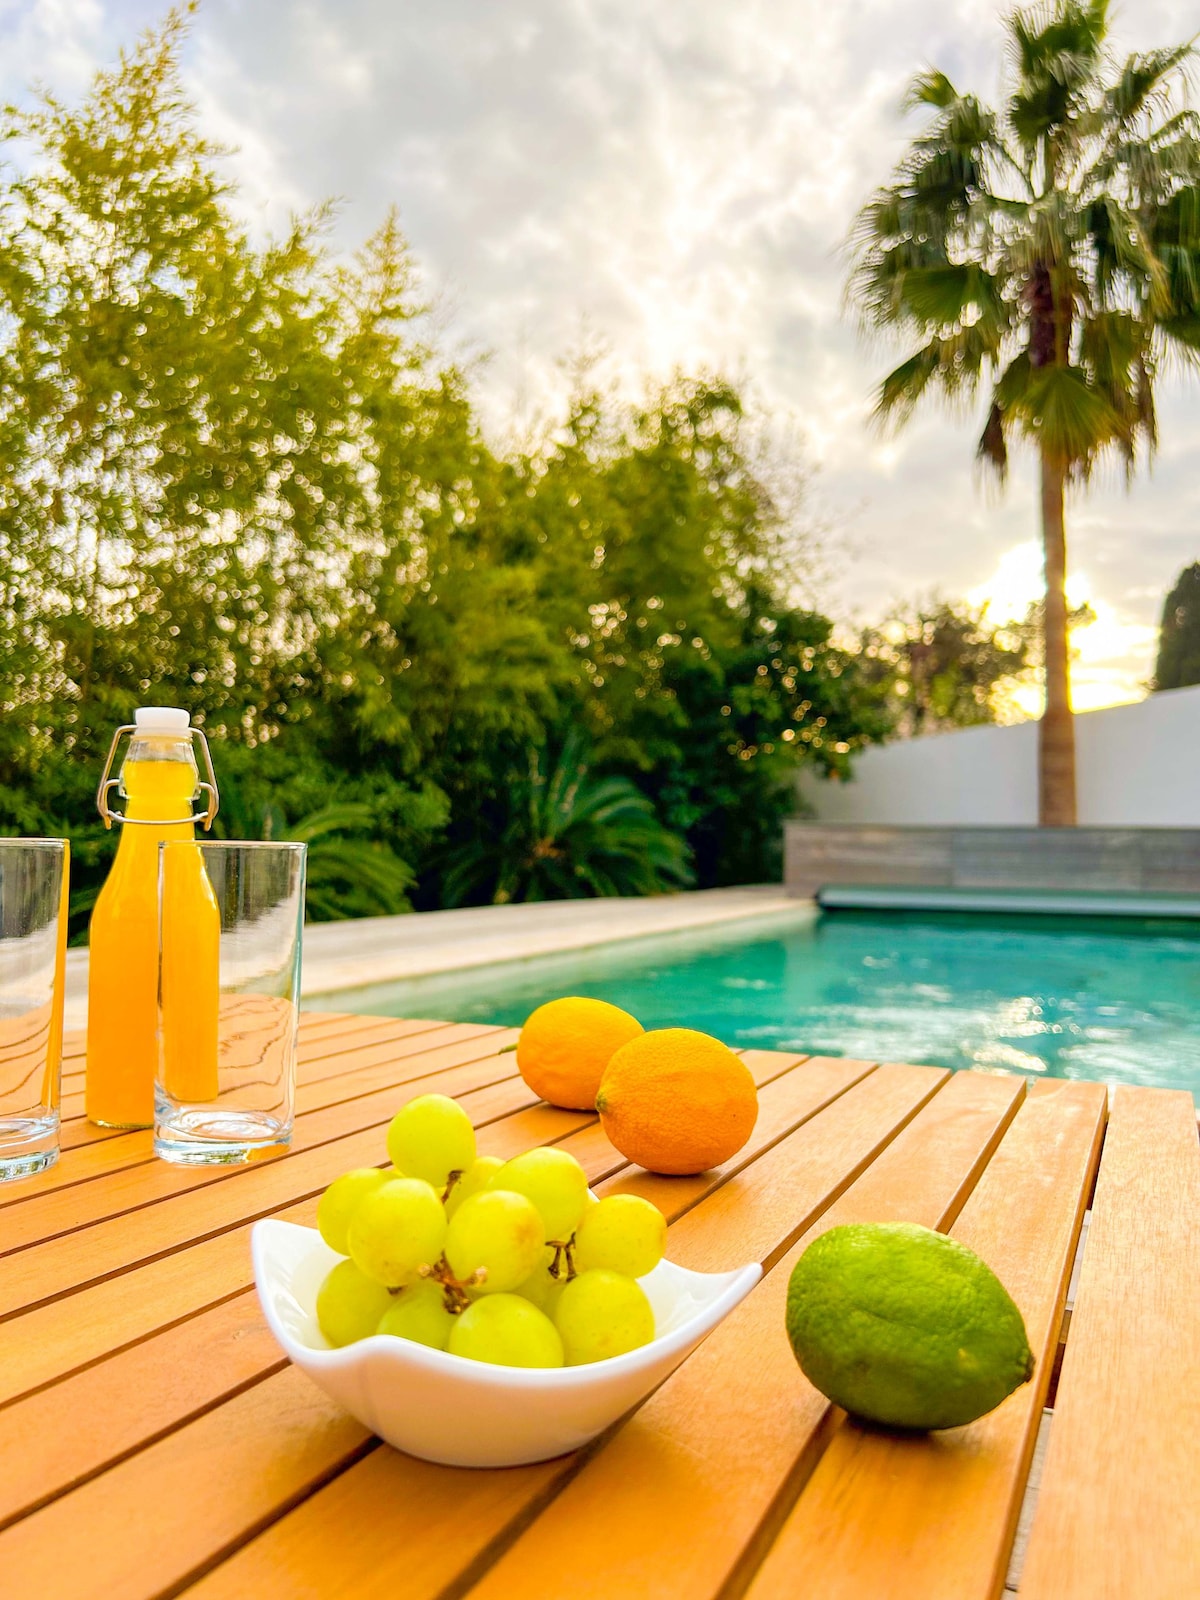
(207, 788)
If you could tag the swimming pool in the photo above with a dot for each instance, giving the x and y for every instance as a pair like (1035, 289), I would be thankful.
(1059, 996)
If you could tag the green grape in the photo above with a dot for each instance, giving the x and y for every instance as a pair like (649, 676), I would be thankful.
(475, 1179)
(556, 1184)
(507, 1331)
(498, 1234)
(602, 1314)
(336, 1205)
(540, 1287)
(397, 1230)
(624, 1233)
(419, 1313)
(349, 1305)
(430, 1138)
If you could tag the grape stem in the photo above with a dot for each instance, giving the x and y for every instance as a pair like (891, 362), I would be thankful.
(451, 1179)
(563, 1265)
(454, 1290)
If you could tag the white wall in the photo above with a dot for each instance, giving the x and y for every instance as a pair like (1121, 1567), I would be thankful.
(1137, 766)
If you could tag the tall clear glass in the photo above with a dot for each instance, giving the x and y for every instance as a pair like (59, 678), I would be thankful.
(231, 918)
(34, 875)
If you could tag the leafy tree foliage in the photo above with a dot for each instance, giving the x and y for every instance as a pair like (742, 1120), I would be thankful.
(1179, 636)
(236, 476)
(1046, 252)
(568, 835)
(945, 666)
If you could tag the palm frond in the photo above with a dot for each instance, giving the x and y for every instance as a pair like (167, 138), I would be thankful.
(903, 388)
(1057, 51)
(929, 88)
(1182, 337)
(992, 449)
(347, 816)
(946, 296)
(954, 365)
(1125, 256)
(1114, 352)
(1143, 82)
(1069, 417)
(1149, 165)
(1176, 232)
(368, 879)
(1056, 244)
(569, 834)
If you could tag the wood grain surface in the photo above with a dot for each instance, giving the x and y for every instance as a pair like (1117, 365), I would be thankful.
(934, 1515)
(1116, 1516)
(154, 1441)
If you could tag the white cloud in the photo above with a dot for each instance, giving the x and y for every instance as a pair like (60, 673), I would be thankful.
(676, 180)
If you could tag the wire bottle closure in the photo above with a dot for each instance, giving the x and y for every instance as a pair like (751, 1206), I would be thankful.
(209, 788)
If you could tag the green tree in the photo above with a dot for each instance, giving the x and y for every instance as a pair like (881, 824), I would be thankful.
(668, 565)
(1179, 636)
(219, 465)
(1049, 251)
(239, 477)
(944, 666)
(162, 381)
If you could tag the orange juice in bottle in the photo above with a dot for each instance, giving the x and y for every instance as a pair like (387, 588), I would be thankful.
(159, 783)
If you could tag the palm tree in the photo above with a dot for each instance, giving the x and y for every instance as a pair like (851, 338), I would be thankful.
(355, 877)
(569, 836)
(1050, 251)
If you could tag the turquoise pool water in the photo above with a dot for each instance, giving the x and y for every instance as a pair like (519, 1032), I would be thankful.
(1068, 997)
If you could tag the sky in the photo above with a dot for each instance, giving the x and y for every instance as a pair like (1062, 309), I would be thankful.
(669, 184)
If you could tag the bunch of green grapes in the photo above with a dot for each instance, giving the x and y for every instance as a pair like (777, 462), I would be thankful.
(510, 1262)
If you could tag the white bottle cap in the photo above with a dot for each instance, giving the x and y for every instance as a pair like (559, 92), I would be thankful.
(161, 719)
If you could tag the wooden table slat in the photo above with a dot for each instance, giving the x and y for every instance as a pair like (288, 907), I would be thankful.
(63, 1210)
(73, 1260)
(128, 1400)
(88, 1150)
(43, 1344)
(171, 1508)
(246, 1419)
(72, 1455)
(1116, 1512)
(161, 1381)
(140, 1389)
(321, 1033)
(702, 1475)
(932, 1517)
(333, 1060)
(743, 1218)
(240, 1460)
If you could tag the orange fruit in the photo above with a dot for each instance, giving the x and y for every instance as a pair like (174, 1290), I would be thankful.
(677, 1101)
(565, 1046)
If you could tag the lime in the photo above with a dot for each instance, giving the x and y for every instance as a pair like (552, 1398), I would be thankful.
(903, 1326)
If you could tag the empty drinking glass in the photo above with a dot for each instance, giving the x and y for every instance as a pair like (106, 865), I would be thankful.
(33, 937)
(231, 920)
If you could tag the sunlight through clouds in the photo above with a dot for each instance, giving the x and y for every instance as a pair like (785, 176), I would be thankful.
(1107, 651)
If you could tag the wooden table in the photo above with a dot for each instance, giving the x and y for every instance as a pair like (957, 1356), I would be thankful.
(153, 1441)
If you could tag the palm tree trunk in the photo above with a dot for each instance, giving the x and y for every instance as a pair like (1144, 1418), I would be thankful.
(1056, 732)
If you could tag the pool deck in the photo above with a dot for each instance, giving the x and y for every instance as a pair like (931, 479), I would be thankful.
(341, 956)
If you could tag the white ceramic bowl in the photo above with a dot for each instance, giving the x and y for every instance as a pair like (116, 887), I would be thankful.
(468, 1413)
